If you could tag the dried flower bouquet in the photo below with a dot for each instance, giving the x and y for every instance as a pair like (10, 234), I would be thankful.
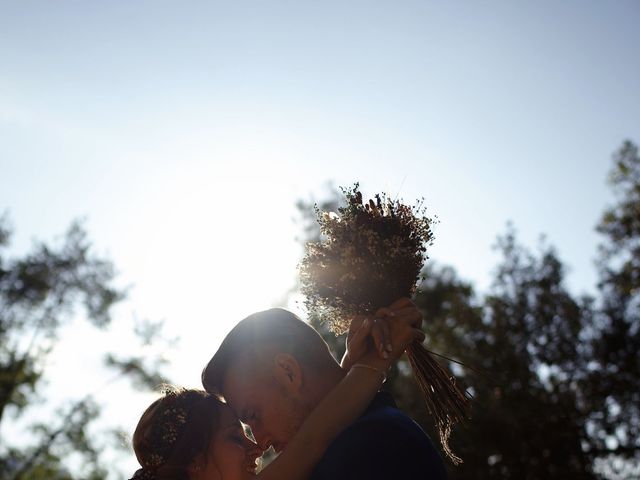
(371, 255)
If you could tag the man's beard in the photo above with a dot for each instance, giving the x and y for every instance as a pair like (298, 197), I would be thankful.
(297, 411)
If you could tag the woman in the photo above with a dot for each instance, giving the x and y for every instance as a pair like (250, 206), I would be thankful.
(191, 435)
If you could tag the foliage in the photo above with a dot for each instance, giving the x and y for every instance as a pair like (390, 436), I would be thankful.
(554, 375)
(40, 293)
(613, 385)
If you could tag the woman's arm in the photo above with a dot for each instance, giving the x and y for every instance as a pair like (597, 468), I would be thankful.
(343, 405)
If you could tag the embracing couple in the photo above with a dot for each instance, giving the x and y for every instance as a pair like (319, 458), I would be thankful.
(275, 373)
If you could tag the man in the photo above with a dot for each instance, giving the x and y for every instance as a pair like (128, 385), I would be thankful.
(273, 369)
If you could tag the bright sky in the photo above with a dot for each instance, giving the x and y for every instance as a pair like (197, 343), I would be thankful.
(185, 131)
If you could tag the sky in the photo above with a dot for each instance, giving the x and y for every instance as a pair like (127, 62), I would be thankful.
(184, 132)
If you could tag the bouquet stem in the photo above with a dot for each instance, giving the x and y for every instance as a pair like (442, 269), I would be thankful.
(444, 399)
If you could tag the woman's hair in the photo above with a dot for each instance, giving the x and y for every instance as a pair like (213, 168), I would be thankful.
(174, 431)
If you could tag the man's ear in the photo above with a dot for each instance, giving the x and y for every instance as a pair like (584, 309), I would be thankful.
(288, 372)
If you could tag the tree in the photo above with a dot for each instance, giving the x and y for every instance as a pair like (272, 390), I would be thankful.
(310, 232)
(520, 340)
(39, 294)
(613, 385)
(554, 377)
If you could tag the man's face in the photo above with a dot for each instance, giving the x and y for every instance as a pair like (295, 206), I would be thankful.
(273, 412)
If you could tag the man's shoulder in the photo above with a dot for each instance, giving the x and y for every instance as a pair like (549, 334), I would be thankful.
(382, 442)
(390, 422)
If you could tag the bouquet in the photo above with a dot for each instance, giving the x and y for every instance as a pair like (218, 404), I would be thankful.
(371, 255)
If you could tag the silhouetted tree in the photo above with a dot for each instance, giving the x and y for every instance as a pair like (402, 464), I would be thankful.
(310, 232)
(521, 339)
(39, 294)
(555, 377)
(613, 386)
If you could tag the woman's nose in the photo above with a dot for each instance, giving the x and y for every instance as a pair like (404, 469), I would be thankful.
(253, 450)
(263, 440)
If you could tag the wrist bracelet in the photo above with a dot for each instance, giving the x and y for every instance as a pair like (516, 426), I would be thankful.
(369, 367)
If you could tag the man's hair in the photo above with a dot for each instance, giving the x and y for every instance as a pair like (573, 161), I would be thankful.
(274, 328)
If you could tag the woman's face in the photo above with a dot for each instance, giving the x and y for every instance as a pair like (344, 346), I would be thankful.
(232, 456)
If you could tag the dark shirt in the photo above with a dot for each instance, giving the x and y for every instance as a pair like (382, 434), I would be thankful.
(383, 443)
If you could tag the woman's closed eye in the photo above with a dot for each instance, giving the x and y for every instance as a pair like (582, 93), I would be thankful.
(237, 436)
